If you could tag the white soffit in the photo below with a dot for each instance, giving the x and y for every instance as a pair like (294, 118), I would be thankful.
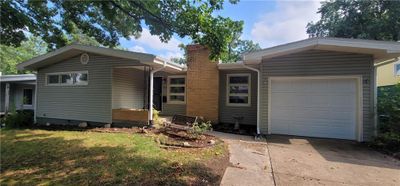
(76, 49)
(381, 50)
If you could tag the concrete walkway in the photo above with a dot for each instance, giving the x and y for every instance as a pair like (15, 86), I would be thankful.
(249, 159)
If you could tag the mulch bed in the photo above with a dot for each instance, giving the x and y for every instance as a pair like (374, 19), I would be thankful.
(248, 130)
(168, 137)
(181, 138)
(118, 130)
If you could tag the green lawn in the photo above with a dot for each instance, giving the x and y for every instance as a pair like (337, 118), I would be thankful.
(30, 157)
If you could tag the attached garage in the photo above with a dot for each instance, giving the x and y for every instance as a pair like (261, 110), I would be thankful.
(320, 87)
(315, 106)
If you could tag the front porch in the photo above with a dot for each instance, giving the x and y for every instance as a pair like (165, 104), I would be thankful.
(17, 92)
(134, 89)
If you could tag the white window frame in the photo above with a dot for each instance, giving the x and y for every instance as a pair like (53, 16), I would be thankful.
(248, 94)
(175, 94)
(395, 70)
(65, 73)
(23, 96)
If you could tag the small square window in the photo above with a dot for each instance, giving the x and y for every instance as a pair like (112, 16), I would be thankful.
(177, 89)
(177, 98)
(238, 79)
(66, 79)
(80, 78)
(397, 69)
(239, 99)
(53, 79)
(177, 81)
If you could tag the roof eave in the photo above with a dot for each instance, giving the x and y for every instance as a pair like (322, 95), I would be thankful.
(388, 49)
(32, 64)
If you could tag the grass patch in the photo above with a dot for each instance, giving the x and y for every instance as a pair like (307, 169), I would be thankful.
(30, 157)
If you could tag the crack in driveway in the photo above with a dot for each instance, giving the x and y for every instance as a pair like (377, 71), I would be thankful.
(291, 160)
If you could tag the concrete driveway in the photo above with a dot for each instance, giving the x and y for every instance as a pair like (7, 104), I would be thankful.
(311, 161)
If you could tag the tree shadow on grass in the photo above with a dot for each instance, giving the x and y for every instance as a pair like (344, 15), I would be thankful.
(32, 159)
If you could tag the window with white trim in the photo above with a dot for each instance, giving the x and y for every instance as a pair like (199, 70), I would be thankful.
(67, 78)
(176, 89)
(238, 89)
(397, 69)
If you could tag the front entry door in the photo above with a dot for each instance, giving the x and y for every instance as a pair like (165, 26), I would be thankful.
(157, 94)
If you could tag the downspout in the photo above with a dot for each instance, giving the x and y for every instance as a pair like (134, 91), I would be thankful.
(258, 94)
(35, 102)
(375, 104)
(7, 98)
(151, 92)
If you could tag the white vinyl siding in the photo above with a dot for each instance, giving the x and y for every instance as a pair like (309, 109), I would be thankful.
(238, 89)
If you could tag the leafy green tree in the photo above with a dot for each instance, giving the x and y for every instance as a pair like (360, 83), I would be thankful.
(34, 46)
(181, 60)
(237, 48)
(372, 19)
(78, 37)
(11, 56)
(107, 21)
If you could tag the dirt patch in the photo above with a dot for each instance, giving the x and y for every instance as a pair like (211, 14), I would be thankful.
(168, 137)
(117, 130)
(218, 166)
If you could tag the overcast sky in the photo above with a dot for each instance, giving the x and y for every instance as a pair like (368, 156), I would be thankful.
(268, 23)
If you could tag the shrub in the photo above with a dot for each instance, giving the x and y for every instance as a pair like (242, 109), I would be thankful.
(198, 129)
(388, 142)
(388, 138)
(389, 109)
(19, 119)
(156, 118)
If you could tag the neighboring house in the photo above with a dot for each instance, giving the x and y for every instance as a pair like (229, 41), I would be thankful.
(388, 72)
(319, 87)
(17, 92)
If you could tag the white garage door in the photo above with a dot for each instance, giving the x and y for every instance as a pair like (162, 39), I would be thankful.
(314, 107)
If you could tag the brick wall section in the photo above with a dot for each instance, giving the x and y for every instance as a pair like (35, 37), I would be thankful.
(202, 84)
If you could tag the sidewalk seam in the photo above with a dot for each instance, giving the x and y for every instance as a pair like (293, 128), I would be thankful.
(270, 162)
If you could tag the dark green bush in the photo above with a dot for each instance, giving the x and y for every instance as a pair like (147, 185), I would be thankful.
(388, 138)
(388, 142)
(198, 129)
(19, 119)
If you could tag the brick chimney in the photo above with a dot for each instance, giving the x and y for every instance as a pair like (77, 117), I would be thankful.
(202, 85)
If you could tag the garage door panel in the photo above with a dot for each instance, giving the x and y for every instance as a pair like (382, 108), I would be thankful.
(314, 107)
(283, 126)
(325, 129)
